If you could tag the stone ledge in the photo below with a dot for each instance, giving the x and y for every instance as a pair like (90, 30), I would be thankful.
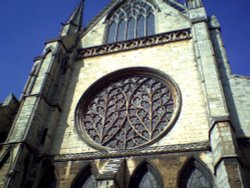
(159, 39)
(200, 146)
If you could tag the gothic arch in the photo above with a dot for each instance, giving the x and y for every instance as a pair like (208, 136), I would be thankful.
(154, 5)
(47, 175)
(85, 178)
(130, 20)
(195, 174)
(146, 176)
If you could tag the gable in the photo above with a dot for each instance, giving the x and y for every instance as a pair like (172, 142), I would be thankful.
(168, 17)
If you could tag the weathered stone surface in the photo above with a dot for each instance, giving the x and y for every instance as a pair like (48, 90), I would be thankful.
(8, 110)
(214, 108)
(174, 65)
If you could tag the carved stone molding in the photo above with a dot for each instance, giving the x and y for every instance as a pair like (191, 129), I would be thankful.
(193, 147)
(163, 38)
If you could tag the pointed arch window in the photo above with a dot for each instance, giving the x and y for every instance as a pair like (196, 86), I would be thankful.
(133, 20)
(145, 176)
(85, 179)
(121, 30)
(195, 175)
(148, 181)
(90, 182)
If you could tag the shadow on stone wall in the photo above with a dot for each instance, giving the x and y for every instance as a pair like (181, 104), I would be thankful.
(8, 111)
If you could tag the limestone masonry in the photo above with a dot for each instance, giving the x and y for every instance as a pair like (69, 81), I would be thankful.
(143, 97)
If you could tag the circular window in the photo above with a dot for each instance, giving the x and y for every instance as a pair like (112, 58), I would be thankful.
(127, 109)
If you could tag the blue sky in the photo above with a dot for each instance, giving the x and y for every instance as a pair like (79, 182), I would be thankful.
(26, 25)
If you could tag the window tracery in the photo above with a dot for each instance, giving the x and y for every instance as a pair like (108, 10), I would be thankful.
(133, 20)
(127, 109)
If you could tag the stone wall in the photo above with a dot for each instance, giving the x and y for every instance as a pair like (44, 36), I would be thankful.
(165, 16)
(172, 59)
(8, 112)
(236, 87)
(169, 167)
(5, 163)
(202, 131)
(240, 105)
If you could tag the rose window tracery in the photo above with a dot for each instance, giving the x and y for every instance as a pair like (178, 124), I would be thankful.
(127, 110)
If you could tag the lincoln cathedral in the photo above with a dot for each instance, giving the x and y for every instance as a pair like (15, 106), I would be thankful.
(141, 97)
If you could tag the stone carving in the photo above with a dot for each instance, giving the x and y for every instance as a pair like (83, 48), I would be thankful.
(129, 112)
(135, 43)
(129, 108)
(192, 147)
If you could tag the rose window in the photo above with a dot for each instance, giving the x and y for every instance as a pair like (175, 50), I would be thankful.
(128, 109)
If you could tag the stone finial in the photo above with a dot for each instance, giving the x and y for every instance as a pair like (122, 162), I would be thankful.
(213, 22)
(75, 22)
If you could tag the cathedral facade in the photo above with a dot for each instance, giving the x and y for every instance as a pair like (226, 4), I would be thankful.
(142, 97)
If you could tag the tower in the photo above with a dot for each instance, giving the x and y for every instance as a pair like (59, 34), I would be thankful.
(141, 97)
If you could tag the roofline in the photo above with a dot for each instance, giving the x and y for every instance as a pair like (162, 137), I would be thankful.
(113, 3)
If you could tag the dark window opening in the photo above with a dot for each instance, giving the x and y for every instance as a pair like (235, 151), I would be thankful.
(90, 182)
(3, 136)
(85, 179)
(47, 177)
(146, 177)
(44, 135)
(196, 175)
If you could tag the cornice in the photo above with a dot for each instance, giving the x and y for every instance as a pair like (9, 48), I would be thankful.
(149, 41)
(192, 147)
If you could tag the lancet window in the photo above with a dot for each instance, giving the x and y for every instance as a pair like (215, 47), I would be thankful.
(85, 179)
(90, 182)
(196, 176)
(146, 177)
(133, 20)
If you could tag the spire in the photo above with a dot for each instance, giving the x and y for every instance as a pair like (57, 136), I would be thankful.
(76, 17)
(74, 24)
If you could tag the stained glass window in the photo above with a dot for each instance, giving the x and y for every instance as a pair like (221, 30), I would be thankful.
(132, 20)
(148, 181)
(121, 31)
(150, 24)
(196, 175)
(131, 29)
(197, 180)
(112, 31)
(141, 26)
(145, 176)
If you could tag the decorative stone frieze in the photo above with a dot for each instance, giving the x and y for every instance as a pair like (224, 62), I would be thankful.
(163, 38)
(194, 147)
